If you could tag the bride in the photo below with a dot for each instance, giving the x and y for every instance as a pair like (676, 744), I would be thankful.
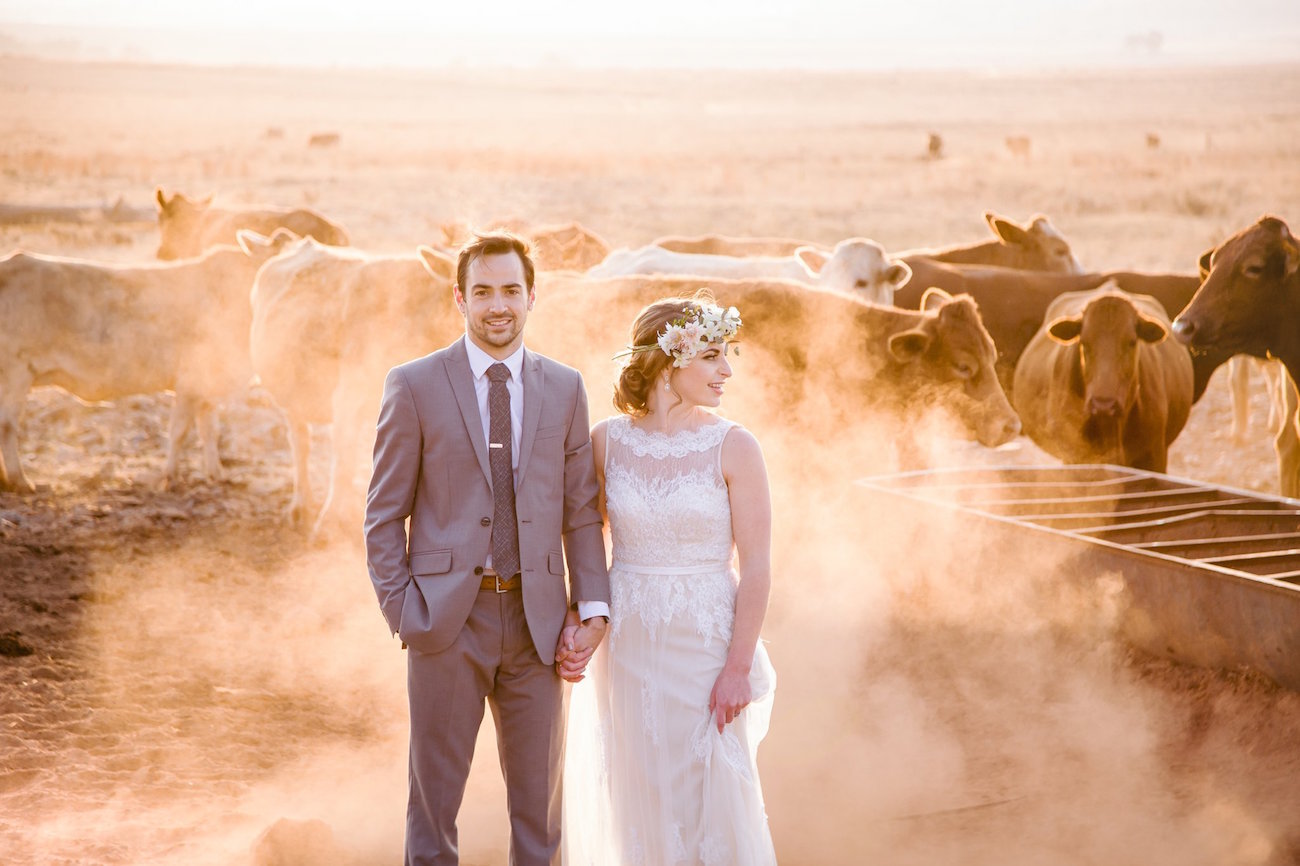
(660, 762)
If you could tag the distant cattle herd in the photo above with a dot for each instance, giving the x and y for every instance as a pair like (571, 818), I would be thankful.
(903, 340)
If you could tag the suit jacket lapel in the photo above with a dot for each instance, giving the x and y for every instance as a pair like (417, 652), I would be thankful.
(534, 388)
(462, 385)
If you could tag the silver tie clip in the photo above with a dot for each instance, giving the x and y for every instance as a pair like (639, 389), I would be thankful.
(495, 445)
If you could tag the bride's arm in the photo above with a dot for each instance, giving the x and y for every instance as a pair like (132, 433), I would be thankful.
(751, 520)
(598, 454)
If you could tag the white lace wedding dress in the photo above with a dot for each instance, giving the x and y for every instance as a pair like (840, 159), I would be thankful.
(649, 781)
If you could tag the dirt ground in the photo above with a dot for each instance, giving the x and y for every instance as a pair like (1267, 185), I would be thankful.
(184, 678)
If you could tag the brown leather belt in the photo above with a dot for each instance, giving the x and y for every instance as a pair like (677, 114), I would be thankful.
(495, 583)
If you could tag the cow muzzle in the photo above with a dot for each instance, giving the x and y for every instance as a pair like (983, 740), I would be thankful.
(1184, 330)
(1103, 407)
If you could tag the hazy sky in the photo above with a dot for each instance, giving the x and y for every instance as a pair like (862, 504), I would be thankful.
(727, 33)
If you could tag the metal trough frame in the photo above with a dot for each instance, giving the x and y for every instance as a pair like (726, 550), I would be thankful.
(1216, 600)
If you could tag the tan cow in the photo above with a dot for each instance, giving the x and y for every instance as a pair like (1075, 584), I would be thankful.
(1035, 246)
(567, 246)
(187, 227)
(1099, 383)
(722, 245)
(328, 323)
(107, 331)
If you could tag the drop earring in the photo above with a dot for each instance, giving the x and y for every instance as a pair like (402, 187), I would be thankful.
(667, 387)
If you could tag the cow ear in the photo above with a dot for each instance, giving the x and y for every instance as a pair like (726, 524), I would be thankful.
(439, 265)
(907, 346)
(811, 258)
(1011, 233)
(1203, 263)
(1065, 329)
(251, 242)
(163, 201)
(934, 298)
(898, 274)
(1291, 251)
(1151, 331)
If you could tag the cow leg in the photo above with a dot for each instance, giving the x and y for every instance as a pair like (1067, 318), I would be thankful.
(1274, 375)
(338, 514)
(1287, 444)
(181, 420)
(210, 436)
(301, 507)
(11, 416)
(1239, 384)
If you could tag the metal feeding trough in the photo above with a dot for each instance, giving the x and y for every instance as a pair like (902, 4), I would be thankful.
(1212, 574)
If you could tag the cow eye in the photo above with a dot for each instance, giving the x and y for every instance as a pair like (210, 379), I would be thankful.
(1254, 271)
(861, 284)
(963, 370)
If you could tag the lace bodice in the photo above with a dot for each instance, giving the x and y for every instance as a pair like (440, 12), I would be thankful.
(666, 498)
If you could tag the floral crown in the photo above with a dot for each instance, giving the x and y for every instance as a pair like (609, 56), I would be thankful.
(686, 336)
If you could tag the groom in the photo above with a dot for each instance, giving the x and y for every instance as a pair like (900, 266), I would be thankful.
(486, 448)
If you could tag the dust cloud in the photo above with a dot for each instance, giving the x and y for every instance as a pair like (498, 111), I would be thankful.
(244, 703)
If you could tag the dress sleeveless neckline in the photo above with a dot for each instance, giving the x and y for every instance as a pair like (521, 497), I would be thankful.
(679, 443)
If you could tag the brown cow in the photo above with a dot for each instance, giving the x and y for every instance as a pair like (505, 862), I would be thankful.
(327, 325)
(187, 227)
(1249, 304)
(807, 353)
(1099, 383)
(1013, 303)
(106, 331)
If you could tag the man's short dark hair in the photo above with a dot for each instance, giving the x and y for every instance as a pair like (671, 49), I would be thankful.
(491, 244)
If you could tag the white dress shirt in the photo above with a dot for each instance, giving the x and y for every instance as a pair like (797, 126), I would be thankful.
(479, 361)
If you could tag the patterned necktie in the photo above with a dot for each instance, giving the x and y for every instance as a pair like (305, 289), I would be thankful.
(505, 528)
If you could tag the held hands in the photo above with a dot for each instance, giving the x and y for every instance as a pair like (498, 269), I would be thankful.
(578, 641)
(730, 695)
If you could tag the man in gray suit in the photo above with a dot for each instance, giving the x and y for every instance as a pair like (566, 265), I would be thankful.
(486, 448)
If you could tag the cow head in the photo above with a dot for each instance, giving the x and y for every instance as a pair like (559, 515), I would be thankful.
(1247, 292)
(259, 248)
(1109, 333)
(856, 267)
(570, 246)
(1038, 246)
(178, 225)
(949, 360)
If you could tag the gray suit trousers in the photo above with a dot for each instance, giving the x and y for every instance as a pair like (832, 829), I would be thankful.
(492, 658)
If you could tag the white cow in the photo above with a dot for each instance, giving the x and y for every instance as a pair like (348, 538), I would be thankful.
(328, 323)
(105, 331)
(857, 267)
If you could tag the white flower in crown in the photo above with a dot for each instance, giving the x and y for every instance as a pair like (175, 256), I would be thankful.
(720, 324)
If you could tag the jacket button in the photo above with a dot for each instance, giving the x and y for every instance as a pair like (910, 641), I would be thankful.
(486, 521)
(478, 569)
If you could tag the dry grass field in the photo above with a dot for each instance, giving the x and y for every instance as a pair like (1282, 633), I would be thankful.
(187, 680)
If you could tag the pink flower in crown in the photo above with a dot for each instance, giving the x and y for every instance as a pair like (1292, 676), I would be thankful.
(683, 340)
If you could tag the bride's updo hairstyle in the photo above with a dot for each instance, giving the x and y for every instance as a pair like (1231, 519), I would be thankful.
(645, 361)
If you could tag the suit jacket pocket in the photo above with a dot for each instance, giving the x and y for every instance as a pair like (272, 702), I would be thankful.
(550, 430)
(555, 563)
(430, 562)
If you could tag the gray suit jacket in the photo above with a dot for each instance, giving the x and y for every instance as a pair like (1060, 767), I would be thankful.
(431, 465)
